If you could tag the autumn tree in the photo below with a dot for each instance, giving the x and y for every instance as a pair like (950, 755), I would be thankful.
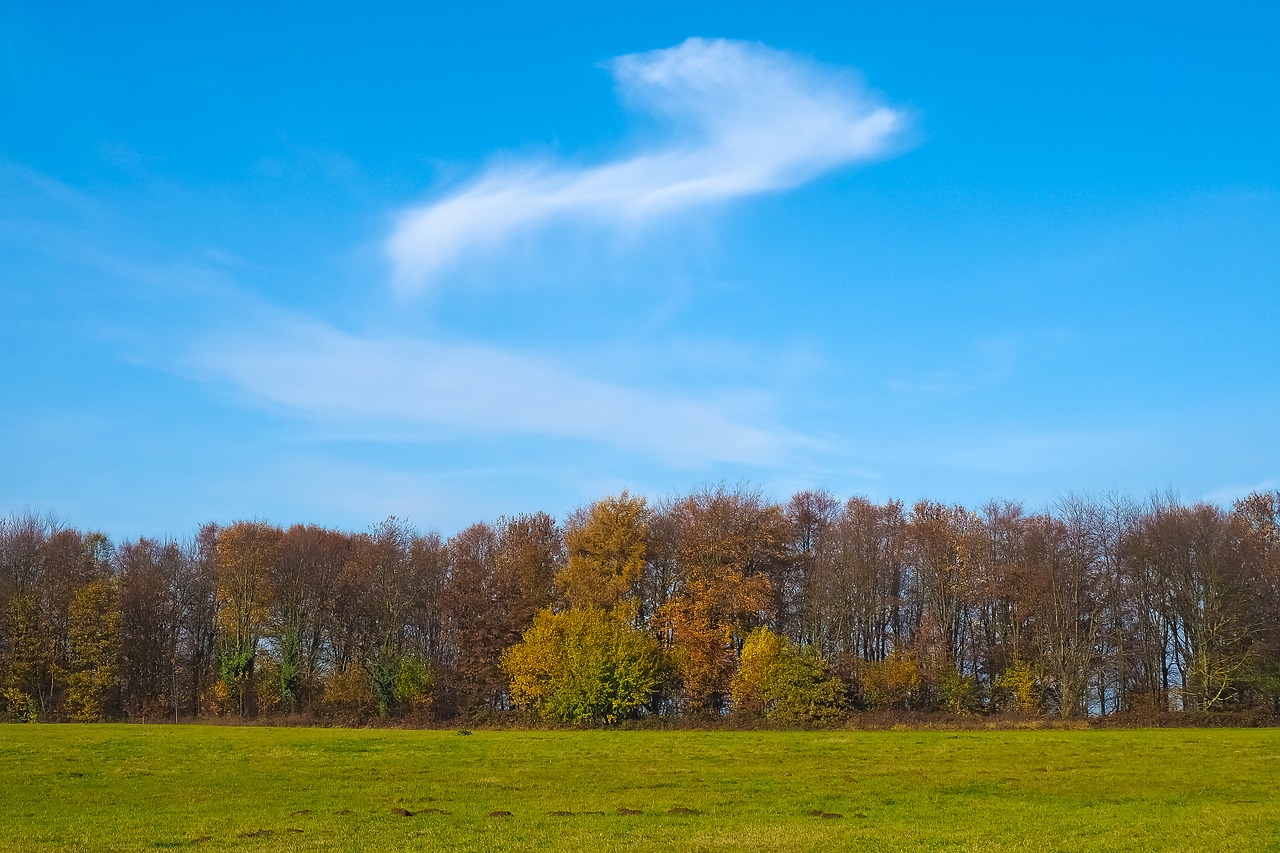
(730, 544)
(426, 623)
(93, 643)
(1065, 603)
(1257, 515)
(584, 666)
(381, 575)
(1200, 565)
(1003, 625)
(1089, 607)
(606, 545)
(858, 609)
(304, 588)
(948, 554)
(811, 515)
(43, 567)
(479, 602)
(660, 578)
(785, 682)
(246, 557)
(893, 683)
(197, 593)
(528, 558)
(27, 653)
(150, 575)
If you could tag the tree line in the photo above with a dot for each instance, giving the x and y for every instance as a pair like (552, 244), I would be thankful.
(719, 603)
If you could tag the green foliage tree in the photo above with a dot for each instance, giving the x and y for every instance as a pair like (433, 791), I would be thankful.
(413, 685)
(584, 667)
(785, 682)
(958, 693)
(400, 683)
(289, 669)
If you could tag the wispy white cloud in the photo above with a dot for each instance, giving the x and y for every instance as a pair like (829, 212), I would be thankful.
(1227, 495)
(746, 119)
(379, 386)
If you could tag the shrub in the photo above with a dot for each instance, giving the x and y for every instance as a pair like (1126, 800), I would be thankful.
(349, 692)
(785, 682)
(1017, 689)
(584, 667)
(18, 706)
(414, 683)
(892, 683)
(958, 693)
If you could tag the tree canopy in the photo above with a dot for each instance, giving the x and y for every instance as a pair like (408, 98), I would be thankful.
(719, 604)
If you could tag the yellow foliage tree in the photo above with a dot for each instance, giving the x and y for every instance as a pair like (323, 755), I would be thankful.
(1019, 689)
(349, 692)
(93, 646)
(758, 665)
(28, 661)
(699, 625)
(606, 549)
(785, 682)
(584, 666)
(894, 682)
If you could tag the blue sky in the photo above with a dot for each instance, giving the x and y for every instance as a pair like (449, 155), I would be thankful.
(321, 263)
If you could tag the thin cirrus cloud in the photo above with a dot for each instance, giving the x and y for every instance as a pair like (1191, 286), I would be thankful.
(418, 388)
(746, 119)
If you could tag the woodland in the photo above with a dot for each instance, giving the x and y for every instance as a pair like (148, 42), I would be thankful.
(717, 608)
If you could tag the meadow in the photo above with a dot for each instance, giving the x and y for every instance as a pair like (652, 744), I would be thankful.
(155, 787)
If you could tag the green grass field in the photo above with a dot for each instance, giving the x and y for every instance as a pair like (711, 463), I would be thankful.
(136, 787)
